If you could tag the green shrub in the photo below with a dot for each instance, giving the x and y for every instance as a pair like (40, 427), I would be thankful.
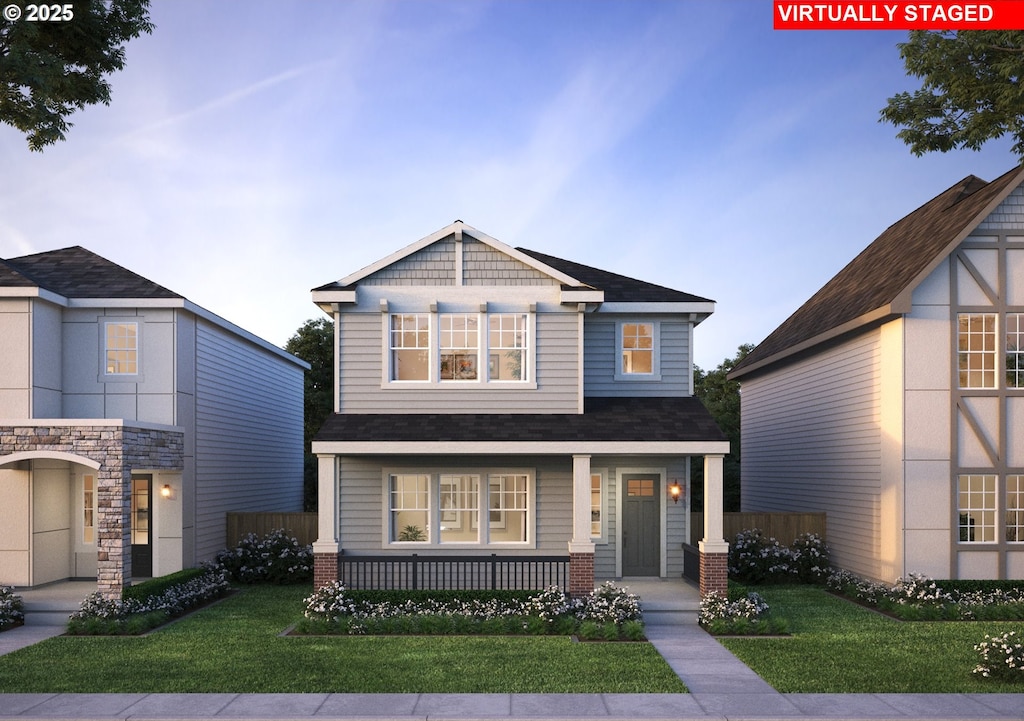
(157, 586)
(273, 558)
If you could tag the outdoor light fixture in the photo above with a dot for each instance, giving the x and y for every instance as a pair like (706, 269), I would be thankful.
(675, 490)
(167, 491)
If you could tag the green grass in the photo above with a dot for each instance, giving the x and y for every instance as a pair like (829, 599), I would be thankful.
(839, 647)
(234, 647)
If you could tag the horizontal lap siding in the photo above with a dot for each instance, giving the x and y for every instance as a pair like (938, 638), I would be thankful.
(248, 433)
(600, 360)
(811, 442)
(363, 357)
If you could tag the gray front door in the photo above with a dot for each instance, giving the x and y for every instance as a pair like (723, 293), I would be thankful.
(641, 525)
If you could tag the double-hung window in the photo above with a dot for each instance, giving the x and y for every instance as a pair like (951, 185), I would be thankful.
(410, 347)
(638, 352)
(460, 347)
(475, 508)
(121, 348)
(507, 345)
(1015, 350)
(976, 507)
(976, 350)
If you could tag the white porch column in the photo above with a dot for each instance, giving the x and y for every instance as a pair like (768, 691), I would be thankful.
(326, 548)
(714, 551)
(581, 548)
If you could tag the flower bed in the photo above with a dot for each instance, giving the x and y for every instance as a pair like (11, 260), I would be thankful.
(608, 613)
(148, 605)
(744, 616)
(12, 610)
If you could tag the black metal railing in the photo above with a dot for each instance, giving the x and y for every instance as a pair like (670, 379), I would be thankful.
(454, 572)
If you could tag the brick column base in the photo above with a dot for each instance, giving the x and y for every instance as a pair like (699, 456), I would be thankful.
(714, 573)
(581, 574)
(325, 569)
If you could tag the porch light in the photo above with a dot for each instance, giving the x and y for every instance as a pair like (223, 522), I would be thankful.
(675, 491)
(167, 492)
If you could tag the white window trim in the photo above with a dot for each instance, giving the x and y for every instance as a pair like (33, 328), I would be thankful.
(481, 353)
(137, 376)
(434, 512)
(602, 537)
(388, 365)
(655, 374)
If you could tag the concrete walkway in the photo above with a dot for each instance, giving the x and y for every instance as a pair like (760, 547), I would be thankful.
(721, 687)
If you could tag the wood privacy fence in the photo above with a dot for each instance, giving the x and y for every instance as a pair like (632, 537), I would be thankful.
(782, 526)
(300, 525)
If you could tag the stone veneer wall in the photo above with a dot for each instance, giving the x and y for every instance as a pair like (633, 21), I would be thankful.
(118, 449)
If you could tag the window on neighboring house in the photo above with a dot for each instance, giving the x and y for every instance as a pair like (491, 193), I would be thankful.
(460, 346)
(1015, 509)
(637, 349)
(976, 350)
(977, 508)
(507, 341)
(122, 349)
(596, 505)
(410, 508)
(460, 508)
(410, 347)
(1015, 351)
(88, 509)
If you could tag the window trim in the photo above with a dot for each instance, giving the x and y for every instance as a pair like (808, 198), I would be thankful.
(620, 372)
(602, 535)
(968, 354)
(434, 475)
(389, 349)
(109, 377)
(968, 511)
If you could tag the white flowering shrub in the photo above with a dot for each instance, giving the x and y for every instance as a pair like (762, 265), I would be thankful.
(102, 616)
(755, 558)
(746, 615)
(612, 610)
(1001, 657)
(273, 558)
(12, 609)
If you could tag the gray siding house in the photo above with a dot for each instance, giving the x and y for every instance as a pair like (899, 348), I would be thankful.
(495, 400)
(893, 399)
(131, 420)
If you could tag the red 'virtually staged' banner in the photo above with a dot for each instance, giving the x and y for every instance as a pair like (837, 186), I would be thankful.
(899, 15)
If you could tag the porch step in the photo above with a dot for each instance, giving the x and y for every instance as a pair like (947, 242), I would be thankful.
(48, 613)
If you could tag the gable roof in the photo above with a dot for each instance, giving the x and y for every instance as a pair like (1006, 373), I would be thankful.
(78, 273)
(877, 284)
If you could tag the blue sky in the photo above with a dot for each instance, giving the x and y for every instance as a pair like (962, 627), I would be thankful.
(254, 150)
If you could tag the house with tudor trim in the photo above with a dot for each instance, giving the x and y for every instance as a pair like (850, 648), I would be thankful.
(494, 402)
(131, 421)
(893, 399)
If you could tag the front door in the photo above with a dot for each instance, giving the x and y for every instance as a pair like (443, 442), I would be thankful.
(142, 524)
(641, 525)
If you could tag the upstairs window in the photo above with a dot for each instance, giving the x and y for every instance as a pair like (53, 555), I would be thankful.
(410, 347)
(976, 350)
(507, 340)
(460, 347)
(1015, 350)
(637, 351)
(121, 350)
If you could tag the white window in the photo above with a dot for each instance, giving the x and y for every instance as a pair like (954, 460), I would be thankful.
(410, 347)
(121, 349)
(88, 508)
(507, 347)
(460, 347)
(596, 505)
(977, 508)
(1015, 351)
(455, 503)
(1015, 509)
(637, 351)
(976, 350)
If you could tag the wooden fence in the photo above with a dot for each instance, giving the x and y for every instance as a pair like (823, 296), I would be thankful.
(303, 526)
(783, 526)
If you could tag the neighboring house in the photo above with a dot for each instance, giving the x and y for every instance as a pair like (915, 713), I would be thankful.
(131, 420)
(550, 399)
(893, 399)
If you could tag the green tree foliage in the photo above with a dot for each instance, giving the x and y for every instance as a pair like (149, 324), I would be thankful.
(50, 68)
(721, 397)
(314, 343)
(970, 92)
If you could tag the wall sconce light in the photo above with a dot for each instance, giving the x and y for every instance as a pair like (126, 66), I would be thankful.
(675, 491)
(167, 492)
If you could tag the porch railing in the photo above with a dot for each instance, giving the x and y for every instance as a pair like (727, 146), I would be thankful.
(454, 572)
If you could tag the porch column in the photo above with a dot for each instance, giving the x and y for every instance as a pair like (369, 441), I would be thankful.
(113, 528)
(714, 551)
(581, 548)
(326, 547)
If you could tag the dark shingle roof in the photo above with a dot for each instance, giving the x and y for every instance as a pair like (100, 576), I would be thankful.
(78, 273)
(617, 288)
(603, 419)
(886, 268)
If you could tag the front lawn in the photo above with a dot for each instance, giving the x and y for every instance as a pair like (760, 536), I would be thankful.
(839, 647)
(235, 647)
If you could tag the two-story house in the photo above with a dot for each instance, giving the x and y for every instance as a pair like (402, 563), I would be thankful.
(495, 400)
(131, 420)
(893, 399)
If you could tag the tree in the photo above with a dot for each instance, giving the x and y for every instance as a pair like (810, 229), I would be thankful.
(51, 67)
(313, 342)
(971, 90)
(721, 397)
